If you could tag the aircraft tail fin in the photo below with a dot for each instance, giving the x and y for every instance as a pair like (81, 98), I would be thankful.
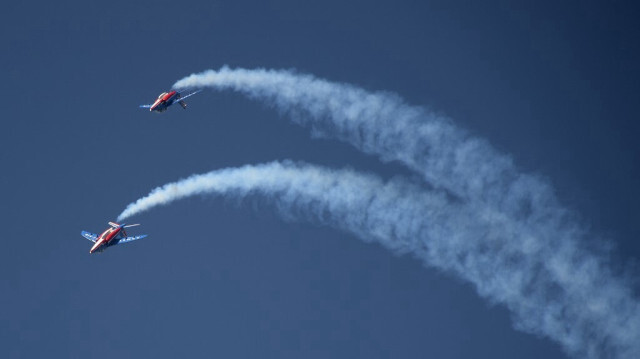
(114, 225)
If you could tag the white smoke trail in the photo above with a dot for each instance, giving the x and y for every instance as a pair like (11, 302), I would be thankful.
(381, 123)
(553, 287)
(447, 157)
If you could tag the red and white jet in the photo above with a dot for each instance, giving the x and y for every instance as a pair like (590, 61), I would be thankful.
(167, 99)
(110, 237)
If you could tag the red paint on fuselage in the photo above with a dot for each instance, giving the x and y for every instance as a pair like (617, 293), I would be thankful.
(105, 237)
(165, 100)
(167, 96)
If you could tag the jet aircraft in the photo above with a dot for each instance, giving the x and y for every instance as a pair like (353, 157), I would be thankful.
(167, 99)
(116, 234)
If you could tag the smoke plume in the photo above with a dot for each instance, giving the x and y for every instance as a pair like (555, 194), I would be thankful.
(552, 287)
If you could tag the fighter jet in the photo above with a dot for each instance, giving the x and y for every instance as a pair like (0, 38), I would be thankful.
(110, 237)
(167, 99)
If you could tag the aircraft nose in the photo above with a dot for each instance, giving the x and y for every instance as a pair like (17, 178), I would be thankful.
(95, 247)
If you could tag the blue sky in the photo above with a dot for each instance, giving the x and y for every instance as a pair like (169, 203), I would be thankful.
(553, 85)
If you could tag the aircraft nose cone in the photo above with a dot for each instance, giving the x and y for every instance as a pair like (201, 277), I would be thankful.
(95, 247)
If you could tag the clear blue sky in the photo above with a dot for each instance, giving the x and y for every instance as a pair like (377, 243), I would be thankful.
(554, 85)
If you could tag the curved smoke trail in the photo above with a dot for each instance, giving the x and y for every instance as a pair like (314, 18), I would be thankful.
(383, 124)
(580, 305)
(450, 159)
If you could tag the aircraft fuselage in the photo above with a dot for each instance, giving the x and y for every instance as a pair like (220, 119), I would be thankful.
(106, 239)
(165, 100)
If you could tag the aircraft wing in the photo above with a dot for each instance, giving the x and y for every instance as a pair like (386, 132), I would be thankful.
(132, 238)
(90, 236)
(145, 106)
(191, 94)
